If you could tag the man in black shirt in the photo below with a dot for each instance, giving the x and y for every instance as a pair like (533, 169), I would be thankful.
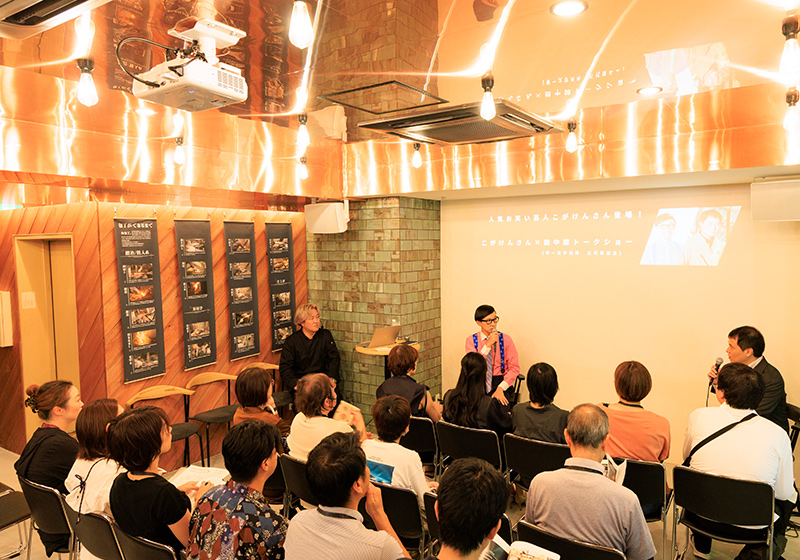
(310, 349)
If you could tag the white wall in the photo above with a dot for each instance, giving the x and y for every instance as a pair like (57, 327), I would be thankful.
(585, 314)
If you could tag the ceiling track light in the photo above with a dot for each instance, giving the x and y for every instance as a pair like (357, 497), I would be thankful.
(87, 92)
(792, 119)
(790, 59)
(572, 138)
(179, 157)
(488, 111)
(416, 159)
(301, 32)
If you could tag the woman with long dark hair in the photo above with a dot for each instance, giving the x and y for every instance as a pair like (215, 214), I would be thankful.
(469, 405)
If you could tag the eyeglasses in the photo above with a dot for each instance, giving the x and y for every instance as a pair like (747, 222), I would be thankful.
(490, 321)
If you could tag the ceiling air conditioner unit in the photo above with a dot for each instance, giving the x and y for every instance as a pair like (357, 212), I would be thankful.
(20, 19)
(463, 124)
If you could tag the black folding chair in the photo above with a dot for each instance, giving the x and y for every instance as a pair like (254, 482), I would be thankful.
(402, 508)
(568, 549)
(421, 437)
(219, 415)
(49, 513)
(718, 506)
(793, 412)
(458, 442)
(139, 548)
(95, 532)
(429, 500)
(526, 458)
(294, 474)
(648, 481)
(13, 511)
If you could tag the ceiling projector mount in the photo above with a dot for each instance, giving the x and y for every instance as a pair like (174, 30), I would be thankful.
(192, 78)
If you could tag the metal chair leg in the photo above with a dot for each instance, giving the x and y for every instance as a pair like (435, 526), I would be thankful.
(208, 446)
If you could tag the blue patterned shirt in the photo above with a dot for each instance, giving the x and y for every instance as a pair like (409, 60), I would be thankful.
(234, 522)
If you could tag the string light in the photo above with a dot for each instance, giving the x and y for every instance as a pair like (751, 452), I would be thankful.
(303, 139)
(87, 93)
(180, 155)
(416, 159)
(572, 138)
(301, 32)
(488, 111)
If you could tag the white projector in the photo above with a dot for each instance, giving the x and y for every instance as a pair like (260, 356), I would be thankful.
(190, 83)
(202, 85)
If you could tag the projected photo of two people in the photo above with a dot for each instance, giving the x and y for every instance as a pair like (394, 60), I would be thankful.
(689, 236)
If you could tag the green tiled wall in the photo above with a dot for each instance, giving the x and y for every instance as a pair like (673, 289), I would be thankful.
(385, 266)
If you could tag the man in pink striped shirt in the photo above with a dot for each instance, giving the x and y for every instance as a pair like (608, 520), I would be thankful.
(500, 353)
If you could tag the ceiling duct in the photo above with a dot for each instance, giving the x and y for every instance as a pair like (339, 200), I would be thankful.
(463, 124)
(20, 19)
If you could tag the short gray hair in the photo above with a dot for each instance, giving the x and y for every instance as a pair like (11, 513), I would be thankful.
(303, 312)
(587, 425)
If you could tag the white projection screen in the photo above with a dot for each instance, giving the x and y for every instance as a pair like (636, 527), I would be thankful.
(584, 289)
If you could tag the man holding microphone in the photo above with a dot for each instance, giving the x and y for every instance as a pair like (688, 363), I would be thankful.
(500, 353)
(746, 346)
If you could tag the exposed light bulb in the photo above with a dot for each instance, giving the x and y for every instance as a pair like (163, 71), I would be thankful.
(87, 93)
(301, 33)
(303, 139)
(791, 121)
(416, 159)
(790, 59)
(488, 111)
(179, 157)
(572, 138)
(487, 106)
(792, 118)
(302, 170)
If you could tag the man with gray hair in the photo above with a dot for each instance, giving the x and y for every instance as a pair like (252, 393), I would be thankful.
(578, 502)
(311, 349)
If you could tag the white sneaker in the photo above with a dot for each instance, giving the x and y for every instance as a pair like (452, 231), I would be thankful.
(697, 553)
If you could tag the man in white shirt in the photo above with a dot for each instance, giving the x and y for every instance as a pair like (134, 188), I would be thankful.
(756, 449)
(338, 477)
(388, 461)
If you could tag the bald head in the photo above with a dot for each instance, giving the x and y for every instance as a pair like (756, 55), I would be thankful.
(587, 426)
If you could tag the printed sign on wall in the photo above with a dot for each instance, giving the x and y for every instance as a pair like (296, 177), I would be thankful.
(280, 259)
(242, 289)
(140, 298)
(196, 273)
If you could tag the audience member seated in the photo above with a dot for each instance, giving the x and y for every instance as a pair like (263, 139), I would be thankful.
(338, 477)
(756, 449)
(388, 461)
(234, 521)
(539, 418)
(311, 349)
(471, 501)
(254, 388)
(143, 503)
(635, 433)
(91, 476)
(50, 453)
(578, 502)
(402, 362)
(469, 405)
(315, 399)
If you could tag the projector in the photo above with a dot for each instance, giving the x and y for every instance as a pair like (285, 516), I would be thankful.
(195, 80)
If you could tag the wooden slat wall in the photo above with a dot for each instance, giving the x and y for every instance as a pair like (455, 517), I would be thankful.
(81, 221)
(99, 321)
(212, 395)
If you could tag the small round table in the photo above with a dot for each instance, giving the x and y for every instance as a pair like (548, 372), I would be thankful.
(383, 351)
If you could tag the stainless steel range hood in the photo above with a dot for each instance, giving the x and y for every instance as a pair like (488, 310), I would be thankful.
(463, 124)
